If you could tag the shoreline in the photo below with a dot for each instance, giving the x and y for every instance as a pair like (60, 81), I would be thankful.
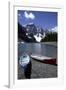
(47, 43)
(51, 43)
(39, 70)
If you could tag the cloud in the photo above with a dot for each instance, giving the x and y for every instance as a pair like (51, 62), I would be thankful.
(55, 29)
(19, 14)
(29, 15)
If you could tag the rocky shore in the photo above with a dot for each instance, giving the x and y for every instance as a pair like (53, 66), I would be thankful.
(39, 70)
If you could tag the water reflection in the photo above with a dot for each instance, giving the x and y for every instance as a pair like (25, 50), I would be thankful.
(37, 48)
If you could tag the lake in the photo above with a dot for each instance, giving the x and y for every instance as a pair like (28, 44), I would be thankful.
(37, 48)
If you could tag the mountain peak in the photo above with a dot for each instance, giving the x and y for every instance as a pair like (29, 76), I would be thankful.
(30, 23)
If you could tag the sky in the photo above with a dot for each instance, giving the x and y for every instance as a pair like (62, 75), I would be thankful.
(45, 20)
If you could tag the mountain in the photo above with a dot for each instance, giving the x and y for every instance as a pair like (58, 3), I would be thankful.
(21, 31)
(30, 33)
(31, 28)
(22, 34)
(33, 33)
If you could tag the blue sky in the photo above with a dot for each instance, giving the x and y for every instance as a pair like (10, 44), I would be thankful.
(45, 20)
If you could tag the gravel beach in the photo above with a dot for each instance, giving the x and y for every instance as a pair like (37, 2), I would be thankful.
(39, 70)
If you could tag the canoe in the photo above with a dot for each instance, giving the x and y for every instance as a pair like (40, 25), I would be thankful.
(24, 60)
(44, 59)
(40, 57)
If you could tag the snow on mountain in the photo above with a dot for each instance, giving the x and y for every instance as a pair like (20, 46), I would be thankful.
(39, 36)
